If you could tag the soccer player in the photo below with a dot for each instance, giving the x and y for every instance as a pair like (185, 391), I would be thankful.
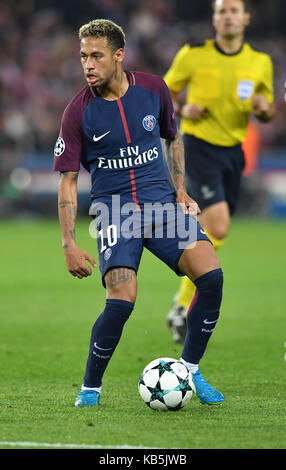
(113, 127)
(226, 81)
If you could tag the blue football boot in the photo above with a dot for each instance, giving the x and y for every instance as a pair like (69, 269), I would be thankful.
(205, 392)
(87, 398)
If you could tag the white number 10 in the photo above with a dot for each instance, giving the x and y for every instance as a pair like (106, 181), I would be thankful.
(111, 234)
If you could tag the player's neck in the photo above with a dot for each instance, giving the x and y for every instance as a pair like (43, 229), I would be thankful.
(115, 88)
(229, 45)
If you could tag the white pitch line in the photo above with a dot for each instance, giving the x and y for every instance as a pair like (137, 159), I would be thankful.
(58, 445)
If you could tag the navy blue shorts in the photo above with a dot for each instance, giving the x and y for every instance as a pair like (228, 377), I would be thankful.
(161, 228)
(213, 173)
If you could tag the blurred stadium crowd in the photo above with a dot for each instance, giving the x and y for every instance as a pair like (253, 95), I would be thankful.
(40, 69)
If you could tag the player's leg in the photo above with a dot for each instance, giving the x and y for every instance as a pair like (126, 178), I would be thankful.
(121, 285)
(189, 252)
(205, 181)
(215, 220)
(176, 318)
(202, 267)
(119, 258)
(121, 289)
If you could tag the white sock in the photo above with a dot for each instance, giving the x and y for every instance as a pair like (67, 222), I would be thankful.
(96, 389)
(193, 368)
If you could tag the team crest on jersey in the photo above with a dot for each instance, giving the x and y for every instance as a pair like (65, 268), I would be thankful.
(245, 89)
(107, 254)
(149, 122)
(59, 147)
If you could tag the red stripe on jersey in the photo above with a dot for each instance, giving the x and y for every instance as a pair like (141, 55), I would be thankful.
(133, 184)
(128, 138)
(125, 125)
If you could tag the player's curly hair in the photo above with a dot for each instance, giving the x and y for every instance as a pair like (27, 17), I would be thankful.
(104, 28)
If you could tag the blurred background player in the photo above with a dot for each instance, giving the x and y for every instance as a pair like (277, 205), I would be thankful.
(226, 81)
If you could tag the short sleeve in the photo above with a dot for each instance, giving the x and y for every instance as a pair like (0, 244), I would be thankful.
(266, 87)
(167, 122)
(68, 148)
(179, 74)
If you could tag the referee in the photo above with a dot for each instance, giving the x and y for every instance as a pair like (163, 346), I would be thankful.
(226, 81)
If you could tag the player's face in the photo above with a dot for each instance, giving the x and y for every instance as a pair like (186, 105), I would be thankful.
(98, 60)
(230, 18)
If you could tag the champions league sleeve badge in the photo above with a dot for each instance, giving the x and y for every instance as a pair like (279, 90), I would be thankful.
(149, 122)
(59, 147)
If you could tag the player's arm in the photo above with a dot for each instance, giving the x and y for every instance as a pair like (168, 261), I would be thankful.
(176, 164)
(67, 209)
(263, 106)
(188, 111)
(177, 78)
(175, 154)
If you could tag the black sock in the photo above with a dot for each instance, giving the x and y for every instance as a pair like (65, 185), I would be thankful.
(105, 335)
(203, 315)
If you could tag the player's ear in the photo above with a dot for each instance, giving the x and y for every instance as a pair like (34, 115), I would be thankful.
(119, 55)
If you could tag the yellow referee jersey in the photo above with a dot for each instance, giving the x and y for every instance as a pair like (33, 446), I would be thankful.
(223, 84)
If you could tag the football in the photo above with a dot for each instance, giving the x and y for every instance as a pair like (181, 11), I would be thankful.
(166, 384)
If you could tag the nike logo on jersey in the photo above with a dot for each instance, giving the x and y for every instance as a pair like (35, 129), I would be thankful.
(96, 139)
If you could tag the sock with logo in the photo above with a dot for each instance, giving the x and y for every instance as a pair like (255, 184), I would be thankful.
(187, 287)
(203, 315)
(105, 335)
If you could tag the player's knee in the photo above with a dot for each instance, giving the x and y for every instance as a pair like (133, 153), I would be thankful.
(121, 284)
(211, 282)
(122, 291)
(129, 295)
(219, 231)
(216, 222)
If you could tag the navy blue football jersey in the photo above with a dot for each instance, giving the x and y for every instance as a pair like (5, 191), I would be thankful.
(119, 142)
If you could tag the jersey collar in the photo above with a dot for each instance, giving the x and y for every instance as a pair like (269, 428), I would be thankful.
(130, 77)
(225, 53)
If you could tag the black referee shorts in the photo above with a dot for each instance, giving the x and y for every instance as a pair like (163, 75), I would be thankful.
(213, 173)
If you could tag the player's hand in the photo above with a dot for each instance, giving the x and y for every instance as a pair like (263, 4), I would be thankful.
(193, 112)
(188, 205)
(76, 262)
(259, 104)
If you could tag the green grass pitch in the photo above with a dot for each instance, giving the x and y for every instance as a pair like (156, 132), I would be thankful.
(46, 317)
